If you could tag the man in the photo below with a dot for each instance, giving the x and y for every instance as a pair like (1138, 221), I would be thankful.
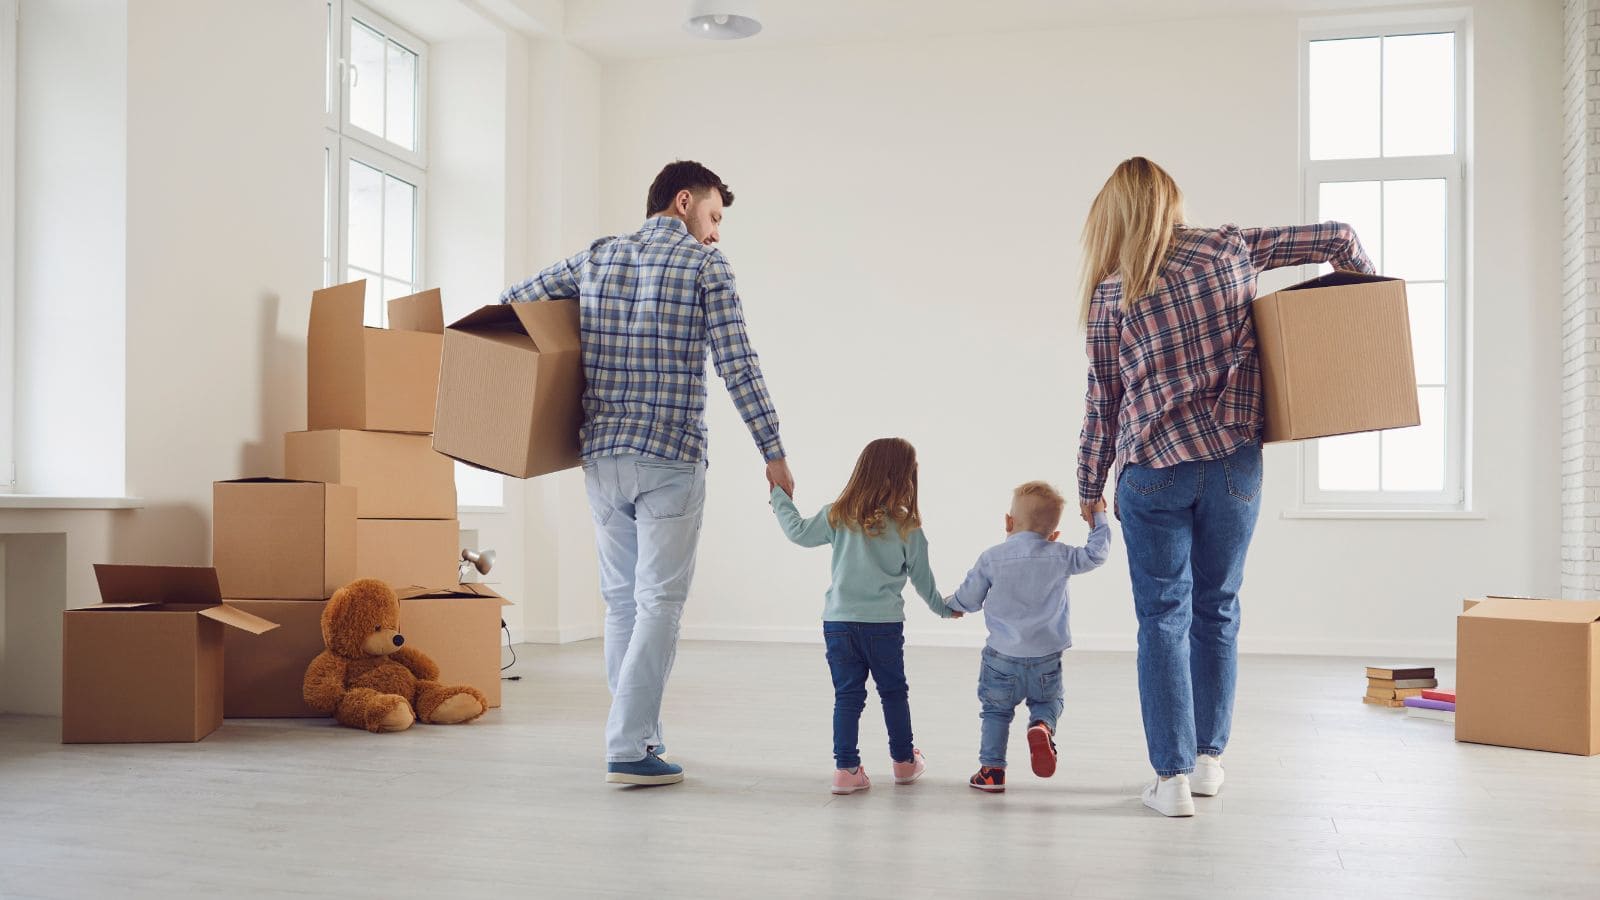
(651, 304)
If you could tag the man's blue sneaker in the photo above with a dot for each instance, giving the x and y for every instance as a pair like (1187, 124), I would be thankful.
(650, 770)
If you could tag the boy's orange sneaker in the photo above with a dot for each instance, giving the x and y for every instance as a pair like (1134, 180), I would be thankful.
(991, 779)
(1042, 747)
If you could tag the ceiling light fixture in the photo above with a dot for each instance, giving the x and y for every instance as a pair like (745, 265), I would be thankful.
(721, 20)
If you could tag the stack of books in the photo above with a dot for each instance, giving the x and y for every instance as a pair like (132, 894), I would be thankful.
(1391, 685)
(1433, 704)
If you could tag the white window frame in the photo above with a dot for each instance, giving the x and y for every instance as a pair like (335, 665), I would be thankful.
(344, 142)
(9, 12)
(1452, 169)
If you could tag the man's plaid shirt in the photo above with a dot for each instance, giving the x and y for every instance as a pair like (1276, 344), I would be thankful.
(1176, 378)
(651, 304)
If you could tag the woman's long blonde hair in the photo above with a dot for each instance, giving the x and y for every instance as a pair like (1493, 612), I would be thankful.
(882, 489)
(1129, 230)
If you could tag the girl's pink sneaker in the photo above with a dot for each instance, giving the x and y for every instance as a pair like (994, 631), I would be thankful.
(848, 782)
(911, 770)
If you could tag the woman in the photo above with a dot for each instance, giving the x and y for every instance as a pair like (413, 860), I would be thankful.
(1175, 397)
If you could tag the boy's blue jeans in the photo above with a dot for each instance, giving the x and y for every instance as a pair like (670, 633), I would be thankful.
(855, 650)
(1005, 681)
(1187, 528)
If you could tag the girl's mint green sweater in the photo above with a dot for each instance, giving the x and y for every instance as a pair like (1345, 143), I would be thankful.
(868, 572)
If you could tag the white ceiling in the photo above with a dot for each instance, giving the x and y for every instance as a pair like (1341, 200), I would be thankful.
(642, 29)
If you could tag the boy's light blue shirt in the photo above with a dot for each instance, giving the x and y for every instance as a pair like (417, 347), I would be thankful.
(868, 572)
(1021, 586)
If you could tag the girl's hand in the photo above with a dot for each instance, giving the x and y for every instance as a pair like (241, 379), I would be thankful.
(956, 614)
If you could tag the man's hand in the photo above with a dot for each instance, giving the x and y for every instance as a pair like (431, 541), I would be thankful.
(778, 475)
(956, 614)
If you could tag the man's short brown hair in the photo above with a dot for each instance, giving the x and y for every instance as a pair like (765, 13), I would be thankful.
(1036, 506)
(683, 175)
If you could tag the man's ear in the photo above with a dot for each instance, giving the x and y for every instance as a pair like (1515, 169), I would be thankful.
(682, 201)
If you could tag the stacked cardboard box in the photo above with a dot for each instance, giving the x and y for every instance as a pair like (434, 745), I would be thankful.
(365, 496)
(1390, 685)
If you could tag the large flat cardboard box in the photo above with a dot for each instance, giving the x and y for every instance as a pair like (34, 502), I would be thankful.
(1528, 674)
(1336, 357)
(276, 539)
(145, 664)
(459, 628)
(511, 389)
(373, 379)
(408, 552)
(396, 476)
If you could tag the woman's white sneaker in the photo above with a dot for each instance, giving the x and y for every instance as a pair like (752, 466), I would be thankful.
(1207, 778)
(1170, 797)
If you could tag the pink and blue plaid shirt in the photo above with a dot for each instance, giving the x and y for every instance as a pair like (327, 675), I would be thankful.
(651, 305)
(1176, 378)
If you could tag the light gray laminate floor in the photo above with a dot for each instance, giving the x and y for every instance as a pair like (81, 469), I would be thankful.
(1325, 798)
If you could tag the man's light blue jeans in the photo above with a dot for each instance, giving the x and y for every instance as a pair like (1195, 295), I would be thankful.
(647, 526)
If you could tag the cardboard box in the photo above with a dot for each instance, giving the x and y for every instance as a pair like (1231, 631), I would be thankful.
(1336, 357)
(145, 664)
(459, 628)
(272, 538)
(373, 379)
(1528, 674)
(396, 476)
(408, 552)
(511, 389)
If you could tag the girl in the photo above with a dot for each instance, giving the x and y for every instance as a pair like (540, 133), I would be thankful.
(1175, 395)
(876, 534)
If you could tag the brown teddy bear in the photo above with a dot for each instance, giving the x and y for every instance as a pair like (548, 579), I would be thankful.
(367, 679)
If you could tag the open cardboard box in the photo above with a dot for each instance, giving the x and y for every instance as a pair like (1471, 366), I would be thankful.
(146, 663)
(272, 538)
(1528, 674)
(373, 379)
(459, 628)
(1336, 357)
(511, 389)
(396, 476)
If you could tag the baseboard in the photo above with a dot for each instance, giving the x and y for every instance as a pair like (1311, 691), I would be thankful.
(1266, 645)
(565, 634)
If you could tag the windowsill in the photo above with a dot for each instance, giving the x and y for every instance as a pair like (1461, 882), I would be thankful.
(46, 501)
(479, 510)
(1462, 515)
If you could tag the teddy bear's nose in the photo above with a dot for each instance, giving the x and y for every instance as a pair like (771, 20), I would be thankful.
(399, 639)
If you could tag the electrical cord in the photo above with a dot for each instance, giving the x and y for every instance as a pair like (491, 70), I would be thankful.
(513, 650)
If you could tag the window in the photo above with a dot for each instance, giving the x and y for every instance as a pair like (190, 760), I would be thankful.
(8, 242)
(1383, 138)
(374, 166)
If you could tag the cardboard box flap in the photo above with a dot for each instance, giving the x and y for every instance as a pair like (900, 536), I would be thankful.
(139, 586)
(342, 307)
(266, 479)
(422, 311)
(462, 590)
(238, 618)
(1338, 278)
(495, 317)
(1569, 612)
(553, 324)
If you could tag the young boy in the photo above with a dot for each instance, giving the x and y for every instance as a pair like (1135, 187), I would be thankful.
(1021, 586)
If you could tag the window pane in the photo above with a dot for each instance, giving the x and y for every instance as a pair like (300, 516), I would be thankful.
(399, 214)
(1358, 204)
(1414, 225)
(1428, 332)
(366, 78)
(1344, 98)
(1419, 95)
(1413, 458)
(364, 230)
(393, 289)
(372, 314)
(1348, 462)
(402, 102)
(476, 487)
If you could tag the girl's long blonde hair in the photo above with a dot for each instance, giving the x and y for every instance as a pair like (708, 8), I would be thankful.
(1129, 230)
(882, 489)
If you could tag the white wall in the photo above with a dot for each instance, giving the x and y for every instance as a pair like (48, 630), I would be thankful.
(906, 240)
(72, 120)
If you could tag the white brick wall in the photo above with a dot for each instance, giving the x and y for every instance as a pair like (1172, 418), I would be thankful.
(1580, 328)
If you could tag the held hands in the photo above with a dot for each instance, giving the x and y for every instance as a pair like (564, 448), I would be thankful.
(778, 475)
(1087, 510)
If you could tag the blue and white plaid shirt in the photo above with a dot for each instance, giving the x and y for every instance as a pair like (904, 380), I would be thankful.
(650, 304)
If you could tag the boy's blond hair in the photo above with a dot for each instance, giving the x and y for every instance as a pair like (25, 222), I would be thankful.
(1036, 506)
